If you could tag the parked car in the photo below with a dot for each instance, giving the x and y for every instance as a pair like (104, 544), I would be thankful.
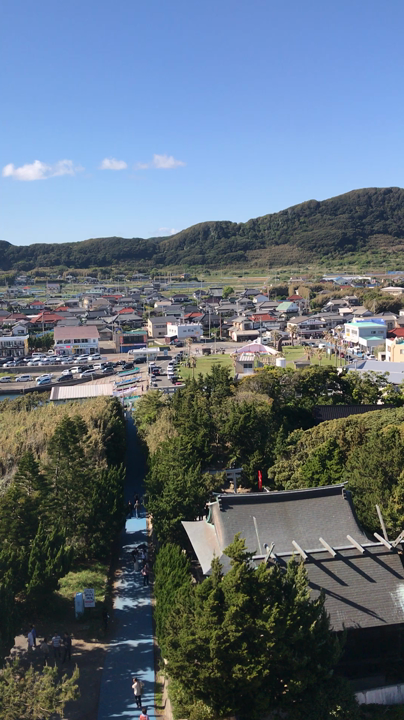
(87, 373)
(23, 378)
(96, 356)
(77, 369)
(34, 363)
(66, 372)
(6, 378)
(65, 378)
(107, 371)
(9, 364)
(44, 380)
(128, 366)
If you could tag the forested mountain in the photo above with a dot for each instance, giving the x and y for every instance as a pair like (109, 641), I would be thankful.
(363, 225)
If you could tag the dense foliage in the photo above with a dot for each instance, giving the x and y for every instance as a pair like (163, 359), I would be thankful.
(248, 642)
(28, 422)
(33, 695)
(67, 507)
(212, 424)
(363, 224)
(366, 450)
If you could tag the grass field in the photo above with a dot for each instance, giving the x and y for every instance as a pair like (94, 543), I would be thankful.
(297, 352)
(205, 364)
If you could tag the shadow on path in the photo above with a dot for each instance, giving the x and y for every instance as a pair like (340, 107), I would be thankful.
(130, 651)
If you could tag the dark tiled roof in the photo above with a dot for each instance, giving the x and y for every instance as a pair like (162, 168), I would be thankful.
(334, 412)
(360, 590)
(300, 515)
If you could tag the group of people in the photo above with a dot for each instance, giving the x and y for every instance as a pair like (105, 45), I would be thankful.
(57, 644)
(133, 507)
(137, 687)
(139, 556)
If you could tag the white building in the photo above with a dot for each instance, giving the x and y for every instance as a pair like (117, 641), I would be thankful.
(367, 333)
(76, 340)
(182, 332)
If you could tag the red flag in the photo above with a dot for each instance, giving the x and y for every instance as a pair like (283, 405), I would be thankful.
(259, 480)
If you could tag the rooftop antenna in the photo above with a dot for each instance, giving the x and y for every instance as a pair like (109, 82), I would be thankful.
(256, 532)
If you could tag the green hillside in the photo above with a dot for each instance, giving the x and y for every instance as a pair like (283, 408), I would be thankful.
(365, 226)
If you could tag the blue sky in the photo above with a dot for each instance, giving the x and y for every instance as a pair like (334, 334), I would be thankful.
(224, 109)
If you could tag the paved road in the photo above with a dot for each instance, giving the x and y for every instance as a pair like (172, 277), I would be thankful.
(130, 652)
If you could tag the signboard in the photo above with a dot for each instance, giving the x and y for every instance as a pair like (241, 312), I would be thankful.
(78, 604)
(89, 597)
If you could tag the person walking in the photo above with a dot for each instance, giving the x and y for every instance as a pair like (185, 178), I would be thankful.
(137, 687)
(33, 630)
(130, 509)
(31, 645)
(56, 645)
(137, 506)
(67, 647)
(145, 573)
(135, 559)
(44, 648)
(143, 715)
(105, 618)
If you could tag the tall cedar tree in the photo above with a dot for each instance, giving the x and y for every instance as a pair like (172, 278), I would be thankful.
(251, 641)
(172, 575)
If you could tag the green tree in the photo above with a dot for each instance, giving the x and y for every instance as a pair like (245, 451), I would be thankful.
(172, 575)
(176, 489)
(33, 695)
(49, 560)
(106, 511)
(227, 291)
(325, 465)
(251, 641)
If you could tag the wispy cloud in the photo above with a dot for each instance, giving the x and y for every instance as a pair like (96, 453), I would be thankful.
(41, 171)
(113, 164)
(164, 231)
(161, 162)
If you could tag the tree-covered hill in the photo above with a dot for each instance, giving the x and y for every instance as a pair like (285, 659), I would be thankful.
(365, 225)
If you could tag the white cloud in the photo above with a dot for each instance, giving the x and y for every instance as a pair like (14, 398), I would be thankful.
(161, 162)
(164, 231)
(41, 171)
(113, 164)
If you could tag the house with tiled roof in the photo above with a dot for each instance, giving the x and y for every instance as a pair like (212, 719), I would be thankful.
(301, 302)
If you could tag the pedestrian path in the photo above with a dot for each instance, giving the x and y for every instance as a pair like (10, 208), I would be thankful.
(130, 652)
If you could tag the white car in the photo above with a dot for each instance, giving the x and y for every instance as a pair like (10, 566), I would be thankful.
(66, 372)
(75, 370)
(6, 378)
(87, 373)
(23, 378)
(97, 356)
(34, 363)
(46, 376)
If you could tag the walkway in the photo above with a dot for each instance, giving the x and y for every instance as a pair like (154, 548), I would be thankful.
(130, 652)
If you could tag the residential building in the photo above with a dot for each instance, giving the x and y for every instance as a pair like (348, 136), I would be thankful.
(301, 302)
(366, 333)
(76, 340)
(287, 309)
(13, 345)
(183, 331)
(395, 345)
(157, 327)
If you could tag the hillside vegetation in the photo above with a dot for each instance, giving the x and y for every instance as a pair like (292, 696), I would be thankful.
(366, 451)
(26, 428)
(363, 225)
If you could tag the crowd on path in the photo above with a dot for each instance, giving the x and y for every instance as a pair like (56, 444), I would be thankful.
(61, 646)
